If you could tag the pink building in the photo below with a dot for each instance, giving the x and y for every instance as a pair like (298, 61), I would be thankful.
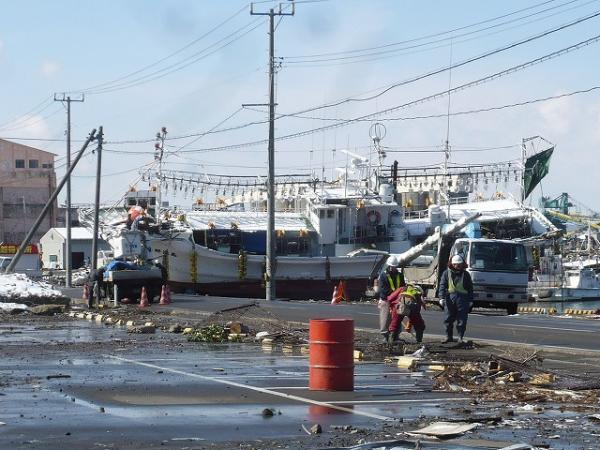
(27, 179)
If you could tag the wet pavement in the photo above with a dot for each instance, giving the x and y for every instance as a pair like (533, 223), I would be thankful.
(72, 384)
(145, 395)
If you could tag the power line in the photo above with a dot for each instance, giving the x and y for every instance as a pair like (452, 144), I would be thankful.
(176, 52)
(413, 79)
(408, 41)
(456, 113)
(180, 65)
(47, 101)
(311, 60)
(421, 100)
(458, 64)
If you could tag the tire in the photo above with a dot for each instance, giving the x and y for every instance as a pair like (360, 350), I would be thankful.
(512, 308)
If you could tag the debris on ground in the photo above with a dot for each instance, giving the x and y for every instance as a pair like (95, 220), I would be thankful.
(47, 310)
(315, 429)
(268, 412)
(13, 308)
(445, 430)
(211, 333)
(58, 375)
(141, 329)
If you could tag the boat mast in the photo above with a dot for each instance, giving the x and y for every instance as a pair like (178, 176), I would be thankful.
(159, 147)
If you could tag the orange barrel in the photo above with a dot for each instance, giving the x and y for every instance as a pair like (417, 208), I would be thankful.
(331, 360)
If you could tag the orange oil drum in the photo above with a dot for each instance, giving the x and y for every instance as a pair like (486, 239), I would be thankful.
(331, 359)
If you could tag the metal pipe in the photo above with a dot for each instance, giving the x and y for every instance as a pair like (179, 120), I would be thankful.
(48, 205)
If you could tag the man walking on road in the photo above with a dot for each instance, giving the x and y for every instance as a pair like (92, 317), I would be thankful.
(456, 291)
(389, 280)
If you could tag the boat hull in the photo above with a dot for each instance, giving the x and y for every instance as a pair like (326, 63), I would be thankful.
(202, 270)
(286, 289)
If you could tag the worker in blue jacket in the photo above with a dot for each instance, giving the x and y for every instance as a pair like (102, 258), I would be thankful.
(456, 292)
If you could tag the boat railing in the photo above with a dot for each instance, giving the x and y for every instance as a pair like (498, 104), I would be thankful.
(420, 214)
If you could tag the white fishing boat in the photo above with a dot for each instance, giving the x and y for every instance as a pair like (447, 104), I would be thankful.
(560, 280)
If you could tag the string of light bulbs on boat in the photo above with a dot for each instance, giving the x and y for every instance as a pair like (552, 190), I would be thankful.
(234, 184)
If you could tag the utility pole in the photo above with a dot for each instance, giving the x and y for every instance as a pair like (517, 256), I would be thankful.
(159, 148)
(68, 263)
(100, 141)
(270, 268)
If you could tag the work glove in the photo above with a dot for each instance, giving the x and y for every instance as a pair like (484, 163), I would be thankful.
(442, 303)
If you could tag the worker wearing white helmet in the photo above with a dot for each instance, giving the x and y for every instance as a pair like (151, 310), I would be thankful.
(456, 291)
(389, 280)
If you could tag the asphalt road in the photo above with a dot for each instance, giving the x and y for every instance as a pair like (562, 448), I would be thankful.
(540, 330)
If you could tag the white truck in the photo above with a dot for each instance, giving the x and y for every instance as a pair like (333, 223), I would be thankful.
(28, 264)
(499, 269)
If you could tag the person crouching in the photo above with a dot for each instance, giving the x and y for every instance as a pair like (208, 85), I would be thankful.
(404, 302)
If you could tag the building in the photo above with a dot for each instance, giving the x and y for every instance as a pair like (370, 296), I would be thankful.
(27, 180)
(53, 247)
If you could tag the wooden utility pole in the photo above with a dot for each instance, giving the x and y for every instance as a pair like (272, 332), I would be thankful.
(68, 263)
(270, 268)
(100, 141)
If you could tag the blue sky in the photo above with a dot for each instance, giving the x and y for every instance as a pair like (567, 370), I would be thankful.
(48, 47)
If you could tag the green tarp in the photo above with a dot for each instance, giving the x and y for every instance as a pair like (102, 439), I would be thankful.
(536, 168)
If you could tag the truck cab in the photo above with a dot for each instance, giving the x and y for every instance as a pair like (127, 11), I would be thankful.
(499, 270)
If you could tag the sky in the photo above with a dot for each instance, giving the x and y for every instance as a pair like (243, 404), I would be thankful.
(190, 65)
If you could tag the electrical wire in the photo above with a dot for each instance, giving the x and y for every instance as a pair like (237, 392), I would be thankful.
(169, 56)
(441, 33)
(161, 73)
(458, 113)
(458, 64)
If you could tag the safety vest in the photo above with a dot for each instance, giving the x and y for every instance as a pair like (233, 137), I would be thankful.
(391, 282)
(458, 287)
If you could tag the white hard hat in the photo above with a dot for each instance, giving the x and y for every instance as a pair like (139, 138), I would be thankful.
(457, 260)
(393, 261)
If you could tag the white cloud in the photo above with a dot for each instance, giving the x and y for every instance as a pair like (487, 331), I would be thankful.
(558, 115)
(49, 68)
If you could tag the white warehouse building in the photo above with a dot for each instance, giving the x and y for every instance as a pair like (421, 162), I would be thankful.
(53, 247)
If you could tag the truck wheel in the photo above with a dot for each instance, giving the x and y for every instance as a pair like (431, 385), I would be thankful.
(512, 309)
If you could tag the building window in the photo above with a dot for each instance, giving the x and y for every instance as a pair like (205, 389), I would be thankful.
(34, 164)
(47, 166)
(330, 213)
(53, 258)
(19, 163)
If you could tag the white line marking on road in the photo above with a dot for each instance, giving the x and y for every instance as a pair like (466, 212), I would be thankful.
(415, 400)
(372, 386)
(254, 388)
(548, 328)
(304, 375)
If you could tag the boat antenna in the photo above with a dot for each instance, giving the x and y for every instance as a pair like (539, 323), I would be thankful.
(377, 133)
(159, 148)
(346, 172)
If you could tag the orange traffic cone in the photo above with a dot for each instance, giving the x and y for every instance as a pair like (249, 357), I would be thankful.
(144, 298)
(165, 295)
(337, 294)
(86, 292)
